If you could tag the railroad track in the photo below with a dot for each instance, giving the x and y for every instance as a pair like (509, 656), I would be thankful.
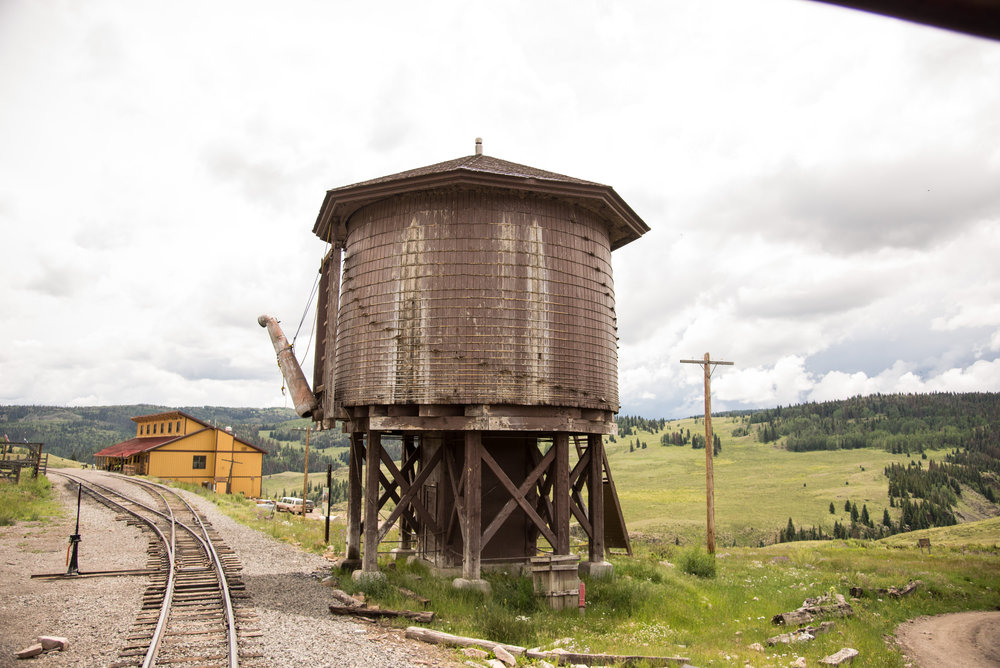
(188, 615)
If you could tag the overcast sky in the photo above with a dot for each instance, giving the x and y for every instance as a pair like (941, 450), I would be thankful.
(823, 185)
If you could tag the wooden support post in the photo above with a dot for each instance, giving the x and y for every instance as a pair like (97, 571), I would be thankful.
(595, 501)
(408, 456)
(354, 497)
(369, 559)
(472, 491)
(560, 493)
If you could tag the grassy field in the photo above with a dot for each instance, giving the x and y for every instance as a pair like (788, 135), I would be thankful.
(57, 462)
(985, 534)
(757, 486)
(29, 500)
(653, 607)
(291, 482)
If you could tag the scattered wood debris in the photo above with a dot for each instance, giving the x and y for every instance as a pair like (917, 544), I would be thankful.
(347, 599)
(425, 616)
(801, 635)
(558, 656)
(891, 592)
(562, 657)
(441, 638)
(827, 605)
(422, 600)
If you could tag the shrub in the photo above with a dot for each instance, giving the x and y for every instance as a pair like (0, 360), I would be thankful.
(696, 562)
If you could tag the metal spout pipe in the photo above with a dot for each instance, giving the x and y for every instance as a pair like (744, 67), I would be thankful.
(295, 380)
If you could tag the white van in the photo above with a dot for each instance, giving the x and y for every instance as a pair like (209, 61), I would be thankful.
(293, 504)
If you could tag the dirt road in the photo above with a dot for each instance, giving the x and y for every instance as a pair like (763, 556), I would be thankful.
(967, 639)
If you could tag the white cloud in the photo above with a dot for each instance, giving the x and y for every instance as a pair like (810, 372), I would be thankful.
(820, 183)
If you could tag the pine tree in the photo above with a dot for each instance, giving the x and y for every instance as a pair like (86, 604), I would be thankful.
(864, 515)
(886, 520)
(847, 506)
(854, 513)
(833, 511)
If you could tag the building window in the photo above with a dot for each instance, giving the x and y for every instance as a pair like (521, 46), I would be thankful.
(170, 427)
(178, 426)
(199, 462)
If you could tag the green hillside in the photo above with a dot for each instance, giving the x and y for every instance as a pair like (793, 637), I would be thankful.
(939, 455)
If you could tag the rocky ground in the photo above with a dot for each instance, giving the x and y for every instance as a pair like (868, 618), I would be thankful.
(96, 613)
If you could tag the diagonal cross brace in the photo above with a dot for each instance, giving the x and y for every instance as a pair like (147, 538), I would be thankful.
(517, 496)
(409, 493)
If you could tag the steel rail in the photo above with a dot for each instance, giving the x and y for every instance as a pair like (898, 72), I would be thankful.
(169, 547)
(219, 571)
(204, 541)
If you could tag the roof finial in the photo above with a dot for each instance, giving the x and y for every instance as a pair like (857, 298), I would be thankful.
(479, 145)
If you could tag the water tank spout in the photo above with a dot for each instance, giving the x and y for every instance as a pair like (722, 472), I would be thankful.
(295, 380)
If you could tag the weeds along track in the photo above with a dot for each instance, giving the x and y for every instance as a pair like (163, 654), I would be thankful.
(189, 614)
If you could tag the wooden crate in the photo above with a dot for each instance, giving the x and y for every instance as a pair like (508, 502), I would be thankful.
(557, 578)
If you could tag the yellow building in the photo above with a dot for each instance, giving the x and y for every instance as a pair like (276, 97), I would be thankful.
(177, 446)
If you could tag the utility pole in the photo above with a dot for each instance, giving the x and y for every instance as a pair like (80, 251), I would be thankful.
(229, 478)
(305, 477)
(709, 447)
(329, 498)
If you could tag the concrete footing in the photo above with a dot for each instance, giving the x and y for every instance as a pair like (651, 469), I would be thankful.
(368, 576)
(480, 585)
(597, 569)
(346, 564)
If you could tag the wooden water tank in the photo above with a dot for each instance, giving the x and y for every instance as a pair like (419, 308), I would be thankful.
(476, 282)
(474, 324)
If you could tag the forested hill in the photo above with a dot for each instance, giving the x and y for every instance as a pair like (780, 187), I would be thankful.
(899, 423)
(968, 425)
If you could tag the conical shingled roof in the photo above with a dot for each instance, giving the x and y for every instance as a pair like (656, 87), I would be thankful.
(480, 171)
(474, 163)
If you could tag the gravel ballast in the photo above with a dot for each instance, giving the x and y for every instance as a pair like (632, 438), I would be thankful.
(95, 614)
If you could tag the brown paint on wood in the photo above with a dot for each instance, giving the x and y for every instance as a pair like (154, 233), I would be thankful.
(560, 493)
(472, 552)
(409, 499)
(518, 497)
(482, 423)
(370, 556)
(595, 497)
(408, 461)
(353, 537)
(477, 297)
(615, 531)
